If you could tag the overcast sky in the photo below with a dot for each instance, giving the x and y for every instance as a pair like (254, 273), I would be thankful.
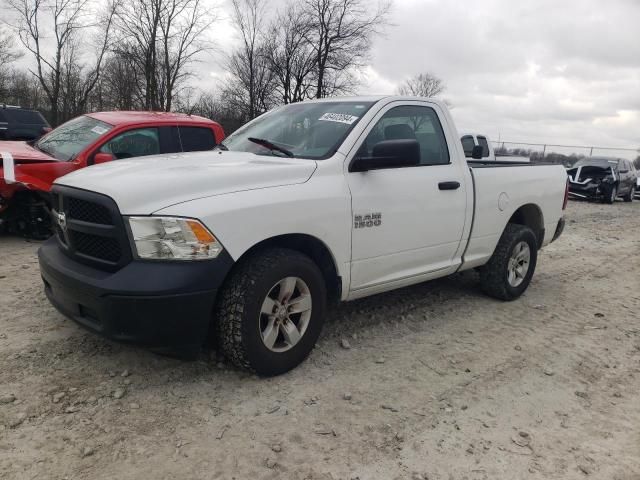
(550, 71)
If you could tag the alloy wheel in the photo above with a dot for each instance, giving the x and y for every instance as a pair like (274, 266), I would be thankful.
(518, 265)
(285, 314)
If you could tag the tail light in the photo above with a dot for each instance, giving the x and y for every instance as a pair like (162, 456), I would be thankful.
(566, 195)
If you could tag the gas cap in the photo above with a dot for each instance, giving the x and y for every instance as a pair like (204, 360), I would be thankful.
(503, 201)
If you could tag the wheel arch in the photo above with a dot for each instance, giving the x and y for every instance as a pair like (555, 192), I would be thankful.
(530, 215)
(315, 249)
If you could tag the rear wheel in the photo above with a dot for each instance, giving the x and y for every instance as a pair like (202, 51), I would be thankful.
(612, 195)
(509, 270)
(629, 196)
(271, 311)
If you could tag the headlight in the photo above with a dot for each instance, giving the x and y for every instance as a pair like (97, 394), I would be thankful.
(171, 238)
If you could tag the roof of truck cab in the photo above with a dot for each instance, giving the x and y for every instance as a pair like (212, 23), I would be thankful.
(376, 98)
(125, 117)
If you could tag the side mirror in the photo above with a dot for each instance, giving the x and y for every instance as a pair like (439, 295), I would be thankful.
(389, 154)
(102, 157)
(477, 152)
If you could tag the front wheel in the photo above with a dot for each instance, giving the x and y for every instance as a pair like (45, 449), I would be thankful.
(613, 194)
(629, 196)
(508, 272)
(271, 311)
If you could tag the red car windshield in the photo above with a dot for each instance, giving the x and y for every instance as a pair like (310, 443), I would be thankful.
(69, 139)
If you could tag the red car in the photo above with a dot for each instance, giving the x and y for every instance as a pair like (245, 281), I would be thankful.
(29, 169)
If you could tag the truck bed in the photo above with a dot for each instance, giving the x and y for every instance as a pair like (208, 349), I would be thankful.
(500, 188)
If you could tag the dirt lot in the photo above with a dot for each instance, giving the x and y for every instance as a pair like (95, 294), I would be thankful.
(439, 382)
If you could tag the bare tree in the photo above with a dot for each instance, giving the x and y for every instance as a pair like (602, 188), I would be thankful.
(341, 37)
(218, 108)
(8, 53)
(291, 57)
(118, 88)
(18, 87)
(422, 85)
(161, 39)
(37, 21)
(182, 30)
(251, 84)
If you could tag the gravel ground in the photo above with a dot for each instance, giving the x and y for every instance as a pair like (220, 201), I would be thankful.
(434, 381)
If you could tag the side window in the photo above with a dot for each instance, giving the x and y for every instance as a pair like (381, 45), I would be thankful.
(195, 139)
(134, 143)
(467, 145)
(482, 141)
(411, 122)
(169, 139)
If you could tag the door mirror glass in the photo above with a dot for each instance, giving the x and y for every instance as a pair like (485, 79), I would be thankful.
(389, 154)
(102, 157)
(477, 152)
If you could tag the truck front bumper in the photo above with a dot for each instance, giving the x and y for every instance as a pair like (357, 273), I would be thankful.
(165, 306)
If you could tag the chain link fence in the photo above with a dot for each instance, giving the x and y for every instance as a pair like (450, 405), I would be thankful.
(562, 154)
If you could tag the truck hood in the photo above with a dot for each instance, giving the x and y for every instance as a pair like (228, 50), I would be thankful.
(22, 152)
(145, 185)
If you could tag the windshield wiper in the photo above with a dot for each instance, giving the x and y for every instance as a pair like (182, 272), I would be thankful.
(222, 146)
(271, 146)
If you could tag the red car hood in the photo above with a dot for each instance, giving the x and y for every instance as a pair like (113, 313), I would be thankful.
(22, 152)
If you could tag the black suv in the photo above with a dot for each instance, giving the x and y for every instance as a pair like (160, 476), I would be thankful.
(18, 123)
(602, 178)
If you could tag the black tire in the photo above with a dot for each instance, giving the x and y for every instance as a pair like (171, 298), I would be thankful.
(238, 310)
(494, 275)
(629, 196)
(611, 195)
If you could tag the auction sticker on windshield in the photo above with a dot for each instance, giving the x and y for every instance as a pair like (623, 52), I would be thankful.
(338, 117)
(99, 130)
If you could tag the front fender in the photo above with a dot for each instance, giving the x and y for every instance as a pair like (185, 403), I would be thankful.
(319, 208)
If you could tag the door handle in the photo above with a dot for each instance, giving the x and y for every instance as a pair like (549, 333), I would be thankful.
(449, 185)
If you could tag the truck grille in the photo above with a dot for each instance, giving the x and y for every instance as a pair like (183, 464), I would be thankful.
(96, 246)
(89, 228)
(89, 212)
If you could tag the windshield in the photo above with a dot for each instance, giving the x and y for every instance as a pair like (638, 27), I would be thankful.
(69, 139)
(311, 130)
(597, 162)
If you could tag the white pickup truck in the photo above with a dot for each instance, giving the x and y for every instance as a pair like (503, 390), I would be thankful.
(313, 202)
(471, 140)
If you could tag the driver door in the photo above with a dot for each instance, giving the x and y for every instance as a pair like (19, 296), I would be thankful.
(408, 222)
